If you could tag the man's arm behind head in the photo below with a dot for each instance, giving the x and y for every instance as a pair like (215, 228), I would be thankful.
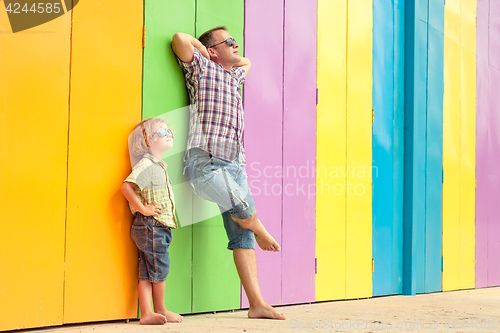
(183, 46)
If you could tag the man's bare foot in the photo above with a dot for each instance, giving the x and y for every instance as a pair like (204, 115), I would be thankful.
(172, 317)
(267, 242)
(266, 312)
(153, 319)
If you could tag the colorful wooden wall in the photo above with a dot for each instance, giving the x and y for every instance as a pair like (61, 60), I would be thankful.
(372, 140)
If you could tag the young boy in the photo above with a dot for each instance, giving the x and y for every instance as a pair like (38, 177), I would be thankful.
(149, 192)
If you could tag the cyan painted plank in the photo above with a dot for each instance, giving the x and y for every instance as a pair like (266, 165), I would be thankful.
(434, 185)
(383, 148)
(398, 152)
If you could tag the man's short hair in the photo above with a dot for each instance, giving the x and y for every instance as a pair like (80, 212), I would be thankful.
(207, 38)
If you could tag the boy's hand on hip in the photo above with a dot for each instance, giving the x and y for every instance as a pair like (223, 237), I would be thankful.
(151, 209)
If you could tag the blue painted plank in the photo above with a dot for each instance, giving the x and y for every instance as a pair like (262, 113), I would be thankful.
(382, 145)
(398, 151)
(433, 247)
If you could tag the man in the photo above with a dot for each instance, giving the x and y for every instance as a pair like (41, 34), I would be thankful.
(215, 159)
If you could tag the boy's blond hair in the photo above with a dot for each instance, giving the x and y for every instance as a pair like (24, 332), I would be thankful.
(138, 140)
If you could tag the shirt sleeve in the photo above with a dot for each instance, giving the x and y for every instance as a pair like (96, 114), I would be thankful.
(196, 67)
(239, 74)
(140, 175)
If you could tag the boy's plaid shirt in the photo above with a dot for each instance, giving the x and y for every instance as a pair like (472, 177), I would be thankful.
(154, 185)
(216, 111)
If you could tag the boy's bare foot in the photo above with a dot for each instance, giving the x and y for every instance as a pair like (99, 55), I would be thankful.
(153, 319)
(267, 242)
(172, 317)
(265, 311)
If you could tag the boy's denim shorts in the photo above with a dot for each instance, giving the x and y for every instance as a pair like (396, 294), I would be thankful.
(152, 239)
(224, 183)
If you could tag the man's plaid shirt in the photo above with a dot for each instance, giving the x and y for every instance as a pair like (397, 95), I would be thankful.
(216, 111)
(153, 185)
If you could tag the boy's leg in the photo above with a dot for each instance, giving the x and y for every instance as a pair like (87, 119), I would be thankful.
(246, 264)
(148, 317)
(159, 303)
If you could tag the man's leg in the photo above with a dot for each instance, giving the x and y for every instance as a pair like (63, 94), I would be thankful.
(246, 264)
(264, 239)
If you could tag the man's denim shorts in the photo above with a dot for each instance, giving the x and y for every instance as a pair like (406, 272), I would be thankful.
(152, 239)
(224, 183)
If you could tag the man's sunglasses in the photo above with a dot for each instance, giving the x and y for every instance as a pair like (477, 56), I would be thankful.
(230, 41)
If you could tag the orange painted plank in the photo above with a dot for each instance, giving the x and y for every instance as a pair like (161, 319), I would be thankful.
(34, 86)
(105, 104)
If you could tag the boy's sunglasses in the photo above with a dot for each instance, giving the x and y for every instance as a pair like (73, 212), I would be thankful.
(230, 41)
(163, 132)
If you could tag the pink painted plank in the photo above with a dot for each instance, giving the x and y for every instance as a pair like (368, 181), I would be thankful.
(299, 152)
(494, 35)
(494, 172)
(483, 8)
(263, 131)
(482, 144)
(481, 170)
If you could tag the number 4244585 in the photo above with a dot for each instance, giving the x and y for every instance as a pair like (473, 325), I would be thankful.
(15, 8)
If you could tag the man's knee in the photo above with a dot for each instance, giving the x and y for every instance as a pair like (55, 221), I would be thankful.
(247, 221)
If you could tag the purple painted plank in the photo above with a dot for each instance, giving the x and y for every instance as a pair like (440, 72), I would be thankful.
(299, 152)
(482, 30)
(494, 174)
(482, 144)
(481, 170)
(263, 131)
(494, 35)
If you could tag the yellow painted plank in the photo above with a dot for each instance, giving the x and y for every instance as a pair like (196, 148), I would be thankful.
(34, 85)
(467, 168)
(331, 150)
(105, 104)
(468, 25)
(452, 10)
(451, 190)
(359, 149)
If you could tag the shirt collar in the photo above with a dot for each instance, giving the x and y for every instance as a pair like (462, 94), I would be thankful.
(155, 160)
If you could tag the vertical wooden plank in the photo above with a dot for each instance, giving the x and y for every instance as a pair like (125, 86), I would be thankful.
(451, 146)
(467, 143)
(434, 148)
(216, 284)
(331, 150)
(493, 163)
(33, 154)
(415, 147)
(359, 149)
(165, 95)
(482, 123)
(494, 146)
(299, 152)
(105, 104)
(398, 161)
(263, 104)
(494, 34)
(383, 147)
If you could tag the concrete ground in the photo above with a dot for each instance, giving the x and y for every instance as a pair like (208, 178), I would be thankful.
(475, 310)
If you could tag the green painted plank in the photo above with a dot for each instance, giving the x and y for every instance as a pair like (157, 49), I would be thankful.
(165, 95)
(216, 285)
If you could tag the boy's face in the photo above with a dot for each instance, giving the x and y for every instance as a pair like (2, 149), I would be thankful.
(160, 143)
